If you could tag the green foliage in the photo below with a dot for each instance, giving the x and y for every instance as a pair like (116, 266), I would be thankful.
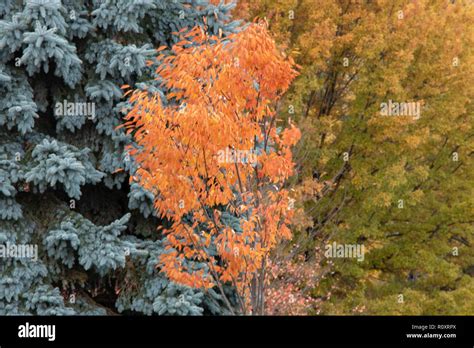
(399, 185)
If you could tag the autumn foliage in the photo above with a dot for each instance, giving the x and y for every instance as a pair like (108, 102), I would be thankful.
(400, 186)
(223, 96)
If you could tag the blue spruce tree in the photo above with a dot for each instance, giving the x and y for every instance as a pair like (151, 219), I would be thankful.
(64, 168)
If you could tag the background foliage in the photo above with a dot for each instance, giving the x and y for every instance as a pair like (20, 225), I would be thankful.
(405, 190)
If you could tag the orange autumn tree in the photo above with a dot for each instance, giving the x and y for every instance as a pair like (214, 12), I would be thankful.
(215, 149)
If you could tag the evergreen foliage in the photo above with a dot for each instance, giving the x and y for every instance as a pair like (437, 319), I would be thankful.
(64, 174)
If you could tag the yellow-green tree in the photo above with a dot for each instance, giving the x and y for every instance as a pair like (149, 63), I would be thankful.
(398, 181)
